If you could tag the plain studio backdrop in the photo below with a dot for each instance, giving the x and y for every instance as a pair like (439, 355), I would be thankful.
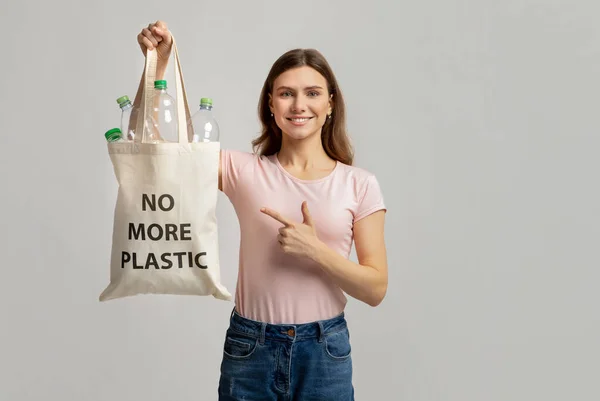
(479, 119)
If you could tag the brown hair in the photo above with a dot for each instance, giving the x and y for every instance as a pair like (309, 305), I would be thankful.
(333, 135)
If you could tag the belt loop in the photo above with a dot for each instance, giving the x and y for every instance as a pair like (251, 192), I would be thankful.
(232, 312)
(263, 329)
(321, 331)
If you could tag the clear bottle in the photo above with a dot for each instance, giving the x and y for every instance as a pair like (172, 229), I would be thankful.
(204, 124)
(126, 111)
(162, 123)
(114, 135)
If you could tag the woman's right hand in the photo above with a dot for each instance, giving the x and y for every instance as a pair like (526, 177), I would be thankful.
(156, 36)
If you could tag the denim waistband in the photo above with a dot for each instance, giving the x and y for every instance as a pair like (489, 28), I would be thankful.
(287, 332)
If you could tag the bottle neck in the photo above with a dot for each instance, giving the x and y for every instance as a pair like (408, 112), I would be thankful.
(126, 106)
(205, 107)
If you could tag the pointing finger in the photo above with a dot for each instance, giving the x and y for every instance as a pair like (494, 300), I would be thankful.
(277, 216)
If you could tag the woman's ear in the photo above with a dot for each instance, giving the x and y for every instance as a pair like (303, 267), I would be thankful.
(271, 103)
(330, 104)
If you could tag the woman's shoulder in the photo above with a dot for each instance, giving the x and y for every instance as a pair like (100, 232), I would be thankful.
(243, 154)
(358, 179)
(353, 172)
(241, 160)
(237, 156)
(247, 155)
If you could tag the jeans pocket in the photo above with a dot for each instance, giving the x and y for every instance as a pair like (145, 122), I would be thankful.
(337, 345)
(239, 346)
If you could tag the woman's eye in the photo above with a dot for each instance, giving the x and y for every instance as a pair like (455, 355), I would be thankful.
(313, 93)
(285, 94)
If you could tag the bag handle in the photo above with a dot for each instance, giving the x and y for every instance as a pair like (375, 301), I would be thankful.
(183, 112)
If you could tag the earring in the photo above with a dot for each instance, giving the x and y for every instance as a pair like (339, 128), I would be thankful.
(329, 116)
(271, 114)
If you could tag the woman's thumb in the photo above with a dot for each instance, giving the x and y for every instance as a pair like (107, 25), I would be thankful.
(306, 214)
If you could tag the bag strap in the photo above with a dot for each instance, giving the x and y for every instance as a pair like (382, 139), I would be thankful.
(183, 112)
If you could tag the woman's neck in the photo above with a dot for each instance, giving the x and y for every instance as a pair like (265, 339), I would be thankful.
(304, 154)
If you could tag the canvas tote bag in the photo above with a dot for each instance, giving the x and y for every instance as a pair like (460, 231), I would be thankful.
(165, 238)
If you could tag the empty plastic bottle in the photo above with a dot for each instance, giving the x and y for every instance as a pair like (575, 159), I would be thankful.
(162, 123)
(126, 111)
(204, 124)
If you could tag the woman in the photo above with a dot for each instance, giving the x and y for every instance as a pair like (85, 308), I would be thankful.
(300, 205)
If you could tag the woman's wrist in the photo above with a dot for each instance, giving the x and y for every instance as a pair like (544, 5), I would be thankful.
(319, 253)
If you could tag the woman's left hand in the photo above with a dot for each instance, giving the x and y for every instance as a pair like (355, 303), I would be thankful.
(299, 239)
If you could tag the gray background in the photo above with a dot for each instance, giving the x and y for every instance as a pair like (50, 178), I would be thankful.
(478, 117)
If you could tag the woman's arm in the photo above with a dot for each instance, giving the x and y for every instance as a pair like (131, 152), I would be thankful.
(366, 280)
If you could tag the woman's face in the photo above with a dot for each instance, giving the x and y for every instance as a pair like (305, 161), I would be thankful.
(300, 102)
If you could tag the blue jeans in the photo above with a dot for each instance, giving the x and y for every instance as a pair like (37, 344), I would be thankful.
(302, 362)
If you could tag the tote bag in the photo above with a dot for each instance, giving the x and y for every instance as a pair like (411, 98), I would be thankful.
(165, 238)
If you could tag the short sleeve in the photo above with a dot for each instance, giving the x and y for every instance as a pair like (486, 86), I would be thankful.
(371, 199)
(233, 163)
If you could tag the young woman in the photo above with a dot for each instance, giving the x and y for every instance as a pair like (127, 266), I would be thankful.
(300, 205)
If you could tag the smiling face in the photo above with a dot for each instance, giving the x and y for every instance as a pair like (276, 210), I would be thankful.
(300, 102)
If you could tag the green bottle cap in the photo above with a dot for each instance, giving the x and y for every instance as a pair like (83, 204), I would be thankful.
(123, 99)
(113, 135)
(160, 84)
(206, 101)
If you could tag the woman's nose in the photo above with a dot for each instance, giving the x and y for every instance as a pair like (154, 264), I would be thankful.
(299, 104)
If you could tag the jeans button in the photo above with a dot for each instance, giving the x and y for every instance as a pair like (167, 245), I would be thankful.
(291, 332)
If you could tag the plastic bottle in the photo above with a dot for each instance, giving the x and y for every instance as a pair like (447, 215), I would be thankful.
(114, 135)
(126, 111)
(204, 124)
(164, 115)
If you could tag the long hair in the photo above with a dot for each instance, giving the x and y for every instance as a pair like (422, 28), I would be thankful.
(333, 135)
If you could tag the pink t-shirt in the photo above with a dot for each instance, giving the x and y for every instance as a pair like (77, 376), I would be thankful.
(272, 286)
